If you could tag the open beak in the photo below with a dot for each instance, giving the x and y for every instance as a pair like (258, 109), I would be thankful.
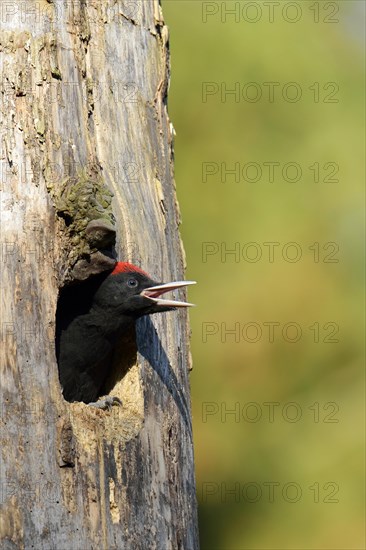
(154, 293)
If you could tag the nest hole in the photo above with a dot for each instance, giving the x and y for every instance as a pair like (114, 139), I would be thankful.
(74, 301)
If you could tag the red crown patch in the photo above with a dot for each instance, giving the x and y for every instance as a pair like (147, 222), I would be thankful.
(125, 267)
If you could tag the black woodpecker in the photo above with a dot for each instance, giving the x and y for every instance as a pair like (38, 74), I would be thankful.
(93, 316)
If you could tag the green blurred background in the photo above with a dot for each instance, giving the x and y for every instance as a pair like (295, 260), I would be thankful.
(308, 445)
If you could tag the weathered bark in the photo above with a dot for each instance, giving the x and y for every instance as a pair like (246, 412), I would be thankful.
(83, 99)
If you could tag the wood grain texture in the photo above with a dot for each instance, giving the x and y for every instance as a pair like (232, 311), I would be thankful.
(83, 86)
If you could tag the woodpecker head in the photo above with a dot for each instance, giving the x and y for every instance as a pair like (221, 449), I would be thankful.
(130, 291)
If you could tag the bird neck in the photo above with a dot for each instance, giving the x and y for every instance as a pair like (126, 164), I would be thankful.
(111, 321)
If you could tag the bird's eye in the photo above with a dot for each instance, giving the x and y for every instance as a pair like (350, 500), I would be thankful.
(132, 283)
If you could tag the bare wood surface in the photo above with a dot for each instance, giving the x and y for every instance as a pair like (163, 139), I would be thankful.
(83, 94)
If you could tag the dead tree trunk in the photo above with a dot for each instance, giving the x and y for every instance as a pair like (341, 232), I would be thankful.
(83, 115)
